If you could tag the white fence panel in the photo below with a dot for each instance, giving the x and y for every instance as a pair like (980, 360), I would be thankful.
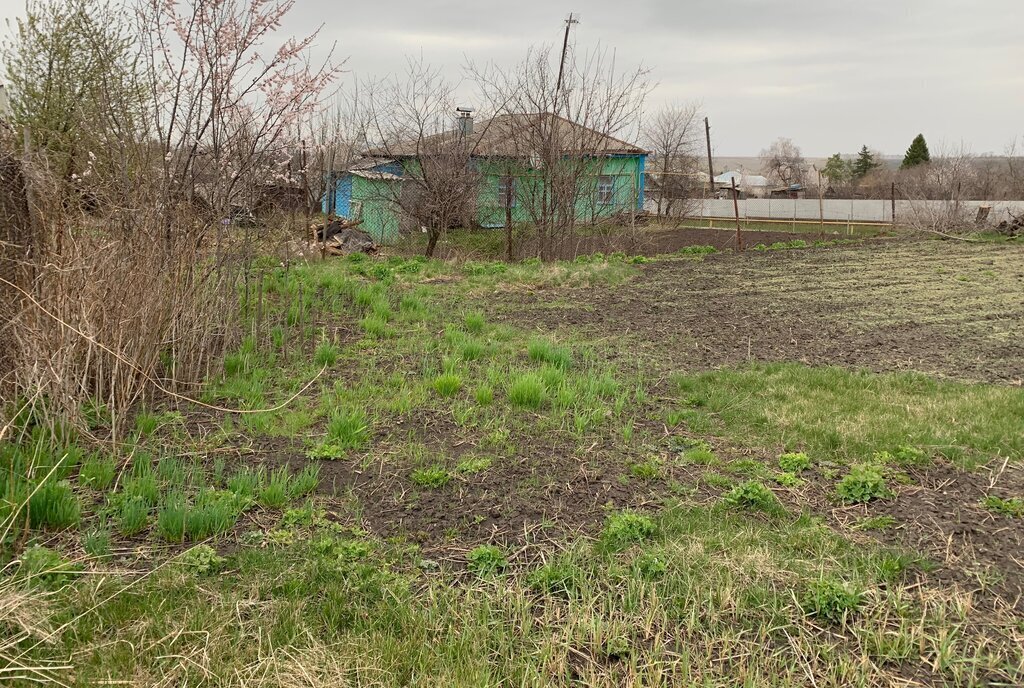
(857, 210)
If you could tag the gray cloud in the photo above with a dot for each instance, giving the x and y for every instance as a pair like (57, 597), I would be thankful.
(830, 74)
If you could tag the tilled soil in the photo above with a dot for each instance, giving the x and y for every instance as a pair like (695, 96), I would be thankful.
(950, 309)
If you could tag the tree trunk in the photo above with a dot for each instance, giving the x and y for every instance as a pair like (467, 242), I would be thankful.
(434, 235)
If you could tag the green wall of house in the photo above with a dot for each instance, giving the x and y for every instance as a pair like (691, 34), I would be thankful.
(370, 198)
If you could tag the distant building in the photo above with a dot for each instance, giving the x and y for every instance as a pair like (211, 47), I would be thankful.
(750, 185)
(509, 173)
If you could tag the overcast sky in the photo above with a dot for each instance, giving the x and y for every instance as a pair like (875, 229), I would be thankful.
(829, 74)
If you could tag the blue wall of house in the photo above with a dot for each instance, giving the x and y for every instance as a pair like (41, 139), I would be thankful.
(343, 189)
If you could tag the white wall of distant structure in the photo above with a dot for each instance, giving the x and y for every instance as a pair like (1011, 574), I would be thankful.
(861, 210)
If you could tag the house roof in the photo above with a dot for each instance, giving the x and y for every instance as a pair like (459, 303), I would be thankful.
(517, 135)
(748, 180)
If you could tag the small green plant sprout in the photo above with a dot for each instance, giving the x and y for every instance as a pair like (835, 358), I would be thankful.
(475, 322)
(1012, 507)
(246, 482)
(474, 465)
(753, 496)
(649, 469)
(202, 560)
(910, 456)
(447, 384)
(432, 476)
(486, 560)
(831, 600)
(146, 423)
(884, 522)
(628, 527)
(556, 579)
(794, 462)
(527, 391)
(787, 479)
(862, 484)
(376, 327)
(326, 354)
(650, 566)
(472, 350)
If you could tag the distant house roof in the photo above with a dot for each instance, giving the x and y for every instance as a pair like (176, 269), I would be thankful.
(516, 135)
(373, 174)
(747, 180)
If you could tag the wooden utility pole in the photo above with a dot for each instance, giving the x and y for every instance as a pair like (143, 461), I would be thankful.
(894, 205)
(821, 206)
(711, 165)
(736, 209)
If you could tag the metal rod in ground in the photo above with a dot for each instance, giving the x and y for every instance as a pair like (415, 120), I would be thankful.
(736, 210)
(821, 207)
(894, 205)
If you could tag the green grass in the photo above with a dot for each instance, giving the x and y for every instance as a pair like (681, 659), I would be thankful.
(98, 471)
(431, 476)
(846, 415)
(527, 391)
(54, 506)
(326, 354)
(447, 384)
(1012, 507)
(486, 560)
(543, 351)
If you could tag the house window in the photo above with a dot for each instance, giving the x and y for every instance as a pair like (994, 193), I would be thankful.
(605, 189)
(507, 192)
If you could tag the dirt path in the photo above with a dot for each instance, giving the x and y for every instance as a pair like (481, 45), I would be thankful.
(950, 309)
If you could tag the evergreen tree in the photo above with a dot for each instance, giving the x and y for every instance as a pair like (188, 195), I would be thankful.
(837, 171)
(917, 154)
(864, 164)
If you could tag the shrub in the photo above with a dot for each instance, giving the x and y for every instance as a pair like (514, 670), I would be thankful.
(447, 384)
(752, 495)
(274, 494)
(527, 391)
(326, 354)
(831, 600)
(433, 476)
(1012, 507)
(861, 485)
(486, 559)
(543, 351)
(910, 456)
(132, 516)
(475, 322)
(170, 519)
(98, 471)
(628, 527)
(54, 505)
(202, 559)
(794, 462)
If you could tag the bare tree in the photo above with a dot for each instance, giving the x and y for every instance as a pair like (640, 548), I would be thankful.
(783, 162)
(412, 120)
(673, 136)
(561, 120)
